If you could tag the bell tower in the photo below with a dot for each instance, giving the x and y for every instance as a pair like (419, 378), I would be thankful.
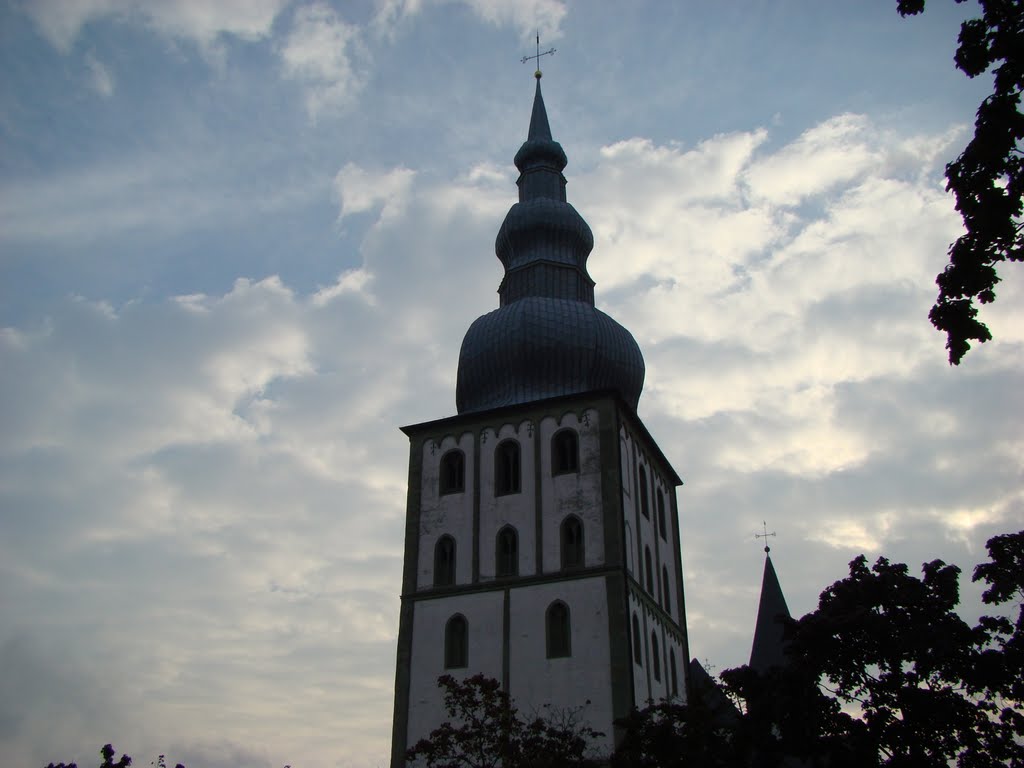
(542, 532)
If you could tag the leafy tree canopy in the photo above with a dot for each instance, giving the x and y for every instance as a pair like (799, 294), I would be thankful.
(987, 178)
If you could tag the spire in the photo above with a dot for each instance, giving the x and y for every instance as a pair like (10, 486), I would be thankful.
(539, 127)
(540, 159)
(767, 650)
(546, 339)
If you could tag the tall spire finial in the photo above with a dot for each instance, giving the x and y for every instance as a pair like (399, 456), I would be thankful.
(537, 56)
(765, 535)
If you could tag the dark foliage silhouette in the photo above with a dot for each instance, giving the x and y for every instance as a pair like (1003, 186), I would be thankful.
(987, 178)
(485, 730)
(107, 752)
(927, 689)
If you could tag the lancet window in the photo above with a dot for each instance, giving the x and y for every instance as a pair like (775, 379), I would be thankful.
(565, 452)
(507, 552)
(558, 630)
(453, 473)
(444, 562)
(456, 642)
(506, 468)
(572, 543)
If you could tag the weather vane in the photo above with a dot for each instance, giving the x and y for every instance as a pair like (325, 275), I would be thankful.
(537, 56)
(765, 535)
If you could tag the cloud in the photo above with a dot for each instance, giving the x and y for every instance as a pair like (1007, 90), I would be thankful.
(529, 17)
(101, 79)
(200, 21)
(360, 190)
(318, 53)
(831, 153)
(202, 441)
(222, 472)
(164, 190)
(153, 416)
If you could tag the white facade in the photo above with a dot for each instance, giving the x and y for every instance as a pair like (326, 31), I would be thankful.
(563, 683)
(483, 612)
(505, 610)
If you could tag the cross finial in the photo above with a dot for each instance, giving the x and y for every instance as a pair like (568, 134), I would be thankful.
(537, 56)
(765, 535)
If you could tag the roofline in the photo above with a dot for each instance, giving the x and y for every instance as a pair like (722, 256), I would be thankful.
(411, 430)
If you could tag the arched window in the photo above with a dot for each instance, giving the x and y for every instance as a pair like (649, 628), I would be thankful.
(444, 562)
(506, 468)
(638, 652)
(558, 630)
(453, 473)
(666, 595)
(662, 528)
(648, 570)
(644, 503)
(655, 661)
(572, 543)
(507, 552)
(629, 548)
(565, 452)
(672, 672)
(456, 642)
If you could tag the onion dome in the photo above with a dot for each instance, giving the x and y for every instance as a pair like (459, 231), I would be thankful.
(546, 338)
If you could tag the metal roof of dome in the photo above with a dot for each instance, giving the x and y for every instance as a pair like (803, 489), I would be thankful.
(546, 338)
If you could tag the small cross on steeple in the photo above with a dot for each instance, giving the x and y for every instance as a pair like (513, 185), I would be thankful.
(765, 536)
(537, 56)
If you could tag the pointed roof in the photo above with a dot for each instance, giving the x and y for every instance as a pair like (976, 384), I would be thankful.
(541, 153)
(767, 650)
(539, 127)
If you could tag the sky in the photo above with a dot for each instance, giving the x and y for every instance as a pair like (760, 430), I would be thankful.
(240, 243)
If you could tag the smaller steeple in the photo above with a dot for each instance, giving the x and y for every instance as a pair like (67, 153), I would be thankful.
(767, 650)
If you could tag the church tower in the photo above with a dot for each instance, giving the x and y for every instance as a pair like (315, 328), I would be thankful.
(542, 533)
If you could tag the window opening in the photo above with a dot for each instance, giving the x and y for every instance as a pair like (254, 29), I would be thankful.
(655, 661)
(666, 596)
(507, 552)
(644, 502)
(572, 543)
(444, 562)
(558, 630)
(565, 452)
(456, 642)
(453, 472)
(506, 468)
(662, 528)
(637, 649)
(672, 672)
(648, 570)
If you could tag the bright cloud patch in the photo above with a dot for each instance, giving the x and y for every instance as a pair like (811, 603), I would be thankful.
(360, 190)
(197, 20)
(529, 16)
(318, 53)
(825, 156)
